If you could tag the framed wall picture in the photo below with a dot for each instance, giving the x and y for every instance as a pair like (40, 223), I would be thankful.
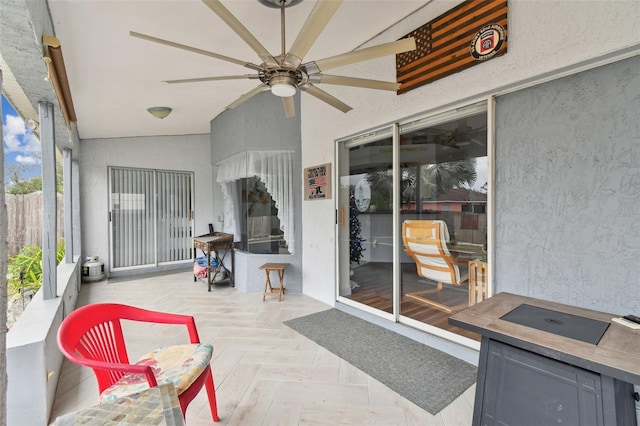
(317, 182)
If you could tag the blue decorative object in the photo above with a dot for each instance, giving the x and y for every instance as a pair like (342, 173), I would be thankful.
(202, 261)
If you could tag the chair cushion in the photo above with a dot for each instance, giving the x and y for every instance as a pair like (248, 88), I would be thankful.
(180, 365)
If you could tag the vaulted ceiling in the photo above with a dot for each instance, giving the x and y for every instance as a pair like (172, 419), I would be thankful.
(114, 77)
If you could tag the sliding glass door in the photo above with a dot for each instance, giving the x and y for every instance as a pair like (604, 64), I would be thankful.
(443, 214)
(365, 242)
(150, 217)
(413, 218)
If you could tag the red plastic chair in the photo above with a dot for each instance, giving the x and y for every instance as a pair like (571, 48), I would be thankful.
(92, 336)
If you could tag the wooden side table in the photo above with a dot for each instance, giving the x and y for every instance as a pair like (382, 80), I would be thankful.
(269, 290)
(478, 281)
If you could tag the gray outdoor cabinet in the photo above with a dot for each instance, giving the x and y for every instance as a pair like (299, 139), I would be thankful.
(543, 363)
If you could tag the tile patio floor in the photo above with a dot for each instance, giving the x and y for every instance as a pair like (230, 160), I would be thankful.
(264, 372)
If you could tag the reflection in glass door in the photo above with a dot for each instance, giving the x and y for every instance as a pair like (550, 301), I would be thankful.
(365, 222)
(443, 216)
(440, 218)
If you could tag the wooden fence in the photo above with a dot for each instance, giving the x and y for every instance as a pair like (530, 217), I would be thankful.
(25, 220)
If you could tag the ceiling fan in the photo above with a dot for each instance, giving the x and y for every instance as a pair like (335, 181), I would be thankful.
(284, 74)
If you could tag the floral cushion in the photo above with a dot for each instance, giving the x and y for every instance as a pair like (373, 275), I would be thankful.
(180, 365)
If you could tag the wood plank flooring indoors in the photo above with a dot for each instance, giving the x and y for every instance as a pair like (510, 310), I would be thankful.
(375, 289)
(264, 373)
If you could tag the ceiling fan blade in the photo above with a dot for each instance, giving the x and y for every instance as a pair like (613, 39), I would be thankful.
(247, 96)
(368, 53)
(194, 50)
(354, 82)
(324, 96)
(318, 18)
(233, 23)
(222, 77)
(289, 107)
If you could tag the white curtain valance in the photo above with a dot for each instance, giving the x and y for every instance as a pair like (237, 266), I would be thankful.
(275, 170)
(233, 168)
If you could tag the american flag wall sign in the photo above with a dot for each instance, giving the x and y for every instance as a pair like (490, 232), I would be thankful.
(469, 34)
(318, 182)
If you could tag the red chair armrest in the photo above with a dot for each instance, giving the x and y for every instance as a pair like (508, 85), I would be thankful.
(144, 315)
(127, 368)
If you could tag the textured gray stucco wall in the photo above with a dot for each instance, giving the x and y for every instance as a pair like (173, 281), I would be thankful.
(260, 124)
(568, 190)
(257, 124)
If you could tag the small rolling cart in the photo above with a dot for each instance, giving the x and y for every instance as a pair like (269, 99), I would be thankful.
(216, 246)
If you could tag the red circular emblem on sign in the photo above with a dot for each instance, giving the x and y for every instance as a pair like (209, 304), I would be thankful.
(487, 42)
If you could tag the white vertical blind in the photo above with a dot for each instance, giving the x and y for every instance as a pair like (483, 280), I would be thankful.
(174, 214)
(132, 213)
(150, 217)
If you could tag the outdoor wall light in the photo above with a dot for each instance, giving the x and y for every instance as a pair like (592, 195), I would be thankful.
(159, 112)
(31, 124)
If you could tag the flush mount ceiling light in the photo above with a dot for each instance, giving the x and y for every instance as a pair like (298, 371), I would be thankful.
(159, 112)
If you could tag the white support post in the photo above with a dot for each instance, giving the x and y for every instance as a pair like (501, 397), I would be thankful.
(67, 173)
(49, 215)
(75, 202)
(4, 252)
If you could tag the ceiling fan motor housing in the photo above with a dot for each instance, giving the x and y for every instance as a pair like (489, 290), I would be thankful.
(277, 3)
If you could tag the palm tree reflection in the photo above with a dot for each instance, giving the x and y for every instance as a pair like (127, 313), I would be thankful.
(421, 182)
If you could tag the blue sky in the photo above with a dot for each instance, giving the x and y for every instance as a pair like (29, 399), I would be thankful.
(20, 145)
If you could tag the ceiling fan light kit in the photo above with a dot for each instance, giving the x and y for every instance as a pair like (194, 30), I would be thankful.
(283, 85)
(284, 74)
(160, 111)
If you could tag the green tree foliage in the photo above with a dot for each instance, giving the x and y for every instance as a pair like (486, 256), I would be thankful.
(381, 182)
(25, 268)
(435, 179)
(442, 177)
(19, 185)
(26, 186)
